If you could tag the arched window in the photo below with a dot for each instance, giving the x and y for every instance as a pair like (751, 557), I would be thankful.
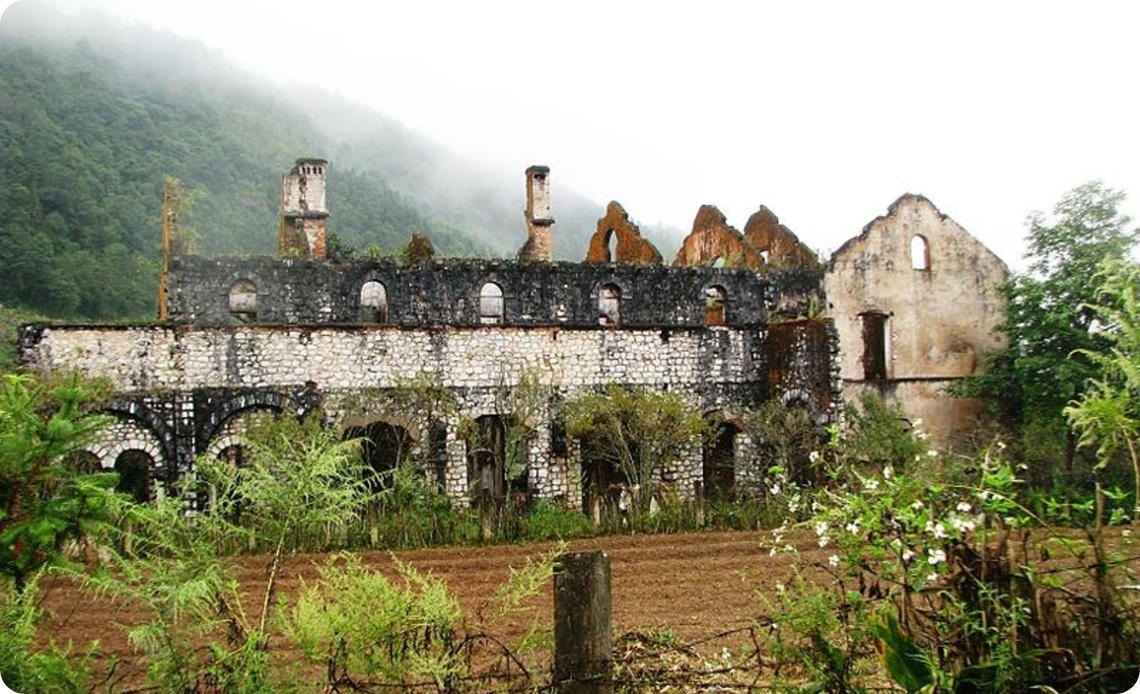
(919, 253)
(611, 246)
(491, 304)
(243, 301)
(373, 302)
(714, 305)
(609, 305)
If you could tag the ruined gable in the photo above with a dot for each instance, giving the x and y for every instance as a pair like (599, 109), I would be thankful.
(712, 240)
(630, 246)
(914, 298)
(775, 242)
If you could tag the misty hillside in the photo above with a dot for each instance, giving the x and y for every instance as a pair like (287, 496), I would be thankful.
(94, 114)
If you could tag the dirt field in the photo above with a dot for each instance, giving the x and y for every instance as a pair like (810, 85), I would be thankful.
(695, 584)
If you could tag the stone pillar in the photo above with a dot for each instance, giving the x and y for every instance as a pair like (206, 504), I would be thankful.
(456, 475)
(303, 211)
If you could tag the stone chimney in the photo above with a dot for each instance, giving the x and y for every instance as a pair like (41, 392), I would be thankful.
(303, 211)
(540, 241)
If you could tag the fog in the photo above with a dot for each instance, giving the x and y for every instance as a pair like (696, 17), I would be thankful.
(825, 112)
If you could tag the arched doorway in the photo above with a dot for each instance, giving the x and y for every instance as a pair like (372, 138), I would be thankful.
(719, 459)
(383, 446)
(134, 468)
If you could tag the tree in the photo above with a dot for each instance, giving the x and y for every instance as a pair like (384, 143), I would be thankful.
(1049, 322)
(635, 431)
(1107, 415)
(44, 502)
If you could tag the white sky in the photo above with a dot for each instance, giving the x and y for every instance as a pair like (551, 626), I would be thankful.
(824, 111)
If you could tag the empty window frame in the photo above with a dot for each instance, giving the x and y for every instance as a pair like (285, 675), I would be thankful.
(373, 302)
(609, 305)
(243, 301)
(491, 304)
(876, 345)
(919, 253)
(714, 305)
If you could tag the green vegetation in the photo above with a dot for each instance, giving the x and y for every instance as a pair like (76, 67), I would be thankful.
(85, 143)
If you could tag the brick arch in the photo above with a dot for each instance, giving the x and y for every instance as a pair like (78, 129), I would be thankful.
(128, 433)
(150, 421)
(232, 430)
(265, 400)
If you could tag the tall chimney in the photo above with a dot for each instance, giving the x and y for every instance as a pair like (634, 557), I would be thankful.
(303, 211)
(540, 240)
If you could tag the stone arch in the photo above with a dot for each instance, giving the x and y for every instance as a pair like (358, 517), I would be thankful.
(630, 248)
(233, 429)
(713, 238)
(130, 434)
(261, 399)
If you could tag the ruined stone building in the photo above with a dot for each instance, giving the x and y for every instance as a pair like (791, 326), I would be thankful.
(738, 319)
(914, 299)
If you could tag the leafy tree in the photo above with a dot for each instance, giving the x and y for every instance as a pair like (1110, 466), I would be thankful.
(1049, 322)
(1107, 415)
(636, 432)
(44, 502)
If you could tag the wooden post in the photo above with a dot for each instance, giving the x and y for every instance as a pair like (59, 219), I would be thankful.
(699, 503)
(583, 641)
(596, 509)
(128, 538)
(373, 526)
(486, 521)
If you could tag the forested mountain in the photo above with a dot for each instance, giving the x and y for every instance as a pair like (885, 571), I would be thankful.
(94, 114)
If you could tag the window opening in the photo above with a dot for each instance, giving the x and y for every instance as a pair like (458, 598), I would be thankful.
(243, 301)
(373, 302)
(876, 346)
(919, 253)
(714, 305)
(491, 304)
(609, 305)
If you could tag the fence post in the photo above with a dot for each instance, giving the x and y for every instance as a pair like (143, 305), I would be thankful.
(699, 503)
(583, 641)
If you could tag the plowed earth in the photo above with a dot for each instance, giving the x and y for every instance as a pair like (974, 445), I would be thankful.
(695, 585)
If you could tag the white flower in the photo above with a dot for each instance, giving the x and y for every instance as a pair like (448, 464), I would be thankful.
(907, 555)
(935, 556)
(775, 490)
(962, 525)
(1001, 444)
(931, 578)
(871, 484)
(984, 495)
(964, 507)
(820, 527)
(823, 541)
(917, 506)
(939, 531)
(852, 527)
(725, 655)
(833, 560)
(888, 471)
(780, 588)
(772, 552)
(932, 454)
(917, 423)
(813, 456)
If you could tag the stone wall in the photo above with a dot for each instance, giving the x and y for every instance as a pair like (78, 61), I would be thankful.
(190, 386)
(936, 289)
(446, 292)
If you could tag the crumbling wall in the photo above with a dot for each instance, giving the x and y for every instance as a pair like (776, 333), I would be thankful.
(713, 239)
(630, 247)
(939, 317)
(446, 292)
(776, 243)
